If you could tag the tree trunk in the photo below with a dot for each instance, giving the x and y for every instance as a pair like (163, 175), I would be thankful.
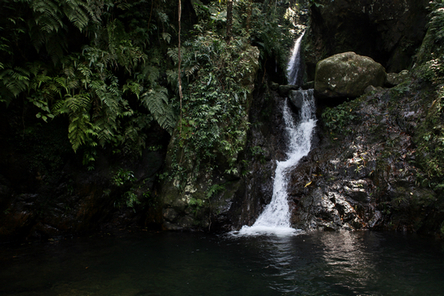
(249, 12)
(178, 69)
(229, 19)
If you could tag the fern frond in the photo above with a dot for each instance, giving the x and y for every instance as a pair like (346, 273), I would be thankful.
(76, 103)
(156, 101)
(172, 78)
(151, 74)
(78, 13)
(48, 15)
(173, 53)
(15, 80)
(80, 130)
(56, 45)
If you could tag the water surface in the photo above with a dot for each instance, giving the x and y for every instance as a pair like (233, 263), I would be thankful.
(318, 263)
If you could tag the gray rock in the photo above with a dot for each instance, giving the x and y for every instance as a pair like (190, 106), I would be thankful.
(296, 98)
(347, 75)
(284, 90)
(394, 79)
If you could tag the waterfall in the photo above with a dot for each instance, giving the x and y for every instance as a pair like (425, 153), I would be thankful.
(276, 217)
(294, 63)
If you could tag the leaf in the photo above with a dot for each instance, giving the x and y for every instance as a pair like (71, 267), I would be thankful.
(166, 37)
(156, 101)
(308, 184)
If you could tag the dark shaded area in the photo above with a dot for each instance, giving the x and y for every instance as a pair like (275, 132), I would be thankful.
(387, 31)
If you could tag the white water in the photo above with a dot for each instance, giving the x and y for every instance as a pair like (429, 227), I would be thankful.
(294, 63)
(276, 217)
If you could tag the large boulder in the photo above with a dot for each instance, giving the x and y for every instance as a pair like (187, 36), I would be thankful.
(347, 75)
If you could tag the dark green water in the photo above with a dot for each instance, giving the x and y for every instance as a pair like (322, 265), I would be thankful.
(319, 263)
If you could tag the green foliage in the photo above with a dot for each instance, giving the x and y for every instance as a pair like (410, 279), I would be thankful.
(271, 33)
(104, 78)
(338, 119)
(125, 178)
(315, 3)
(122, 176)
(218, 81)
(430, 133)
(431, 52)
(131, 199)
(258, 153)
(436, 24)
(399, 90)
(432, 71)
(214, 189)
(430, 142)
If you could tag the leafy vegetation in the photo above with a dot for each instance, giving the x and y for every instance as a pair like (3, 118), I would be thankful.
(218, 78)
(104, 78)
(430, 134)
(338, 119)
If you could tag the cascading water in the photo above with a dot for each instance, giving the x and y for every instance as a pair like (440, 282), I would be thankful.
(294, 63)
(276, 217)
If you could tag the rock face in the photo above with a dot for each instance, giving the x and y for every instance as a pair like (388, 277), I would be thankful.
(347, 75)
(389, 31)
(365, 173)
(46, 192)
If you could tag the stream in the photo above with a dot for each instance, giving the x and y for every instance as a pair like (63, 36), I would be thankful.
(316, 263)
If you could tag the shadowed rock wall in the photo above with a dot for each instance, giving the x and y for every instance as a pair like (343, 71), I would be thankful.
(389, 31)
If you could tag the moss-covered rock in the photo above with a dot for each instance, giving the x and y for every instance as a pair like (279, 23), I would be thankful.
(347, 75)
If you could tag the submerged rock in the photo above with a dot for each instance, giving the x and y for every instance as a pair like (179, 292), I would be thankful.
(347, 75)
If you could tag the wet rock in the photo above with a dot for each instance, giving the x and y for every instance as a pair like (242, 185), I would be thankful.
(367, 177)
(296, 98)
(308, 85)
(394, 79)
(284, 90)
(274, 86)
(371, 88)
(347, 75)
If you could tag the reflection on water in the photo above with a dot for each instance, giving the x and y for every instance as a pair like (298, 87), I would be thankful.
(319, 263)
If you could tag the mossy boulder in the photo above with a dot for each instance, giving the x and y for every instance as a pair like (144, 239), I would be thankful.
(347, 75)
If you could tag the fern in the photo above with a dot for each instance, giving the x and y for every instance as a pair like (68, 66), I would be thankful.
(88, 86)
(76, 103)
(156, 101)
(78, 12)
(80, 130)
(48, 15)
(14, 82)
